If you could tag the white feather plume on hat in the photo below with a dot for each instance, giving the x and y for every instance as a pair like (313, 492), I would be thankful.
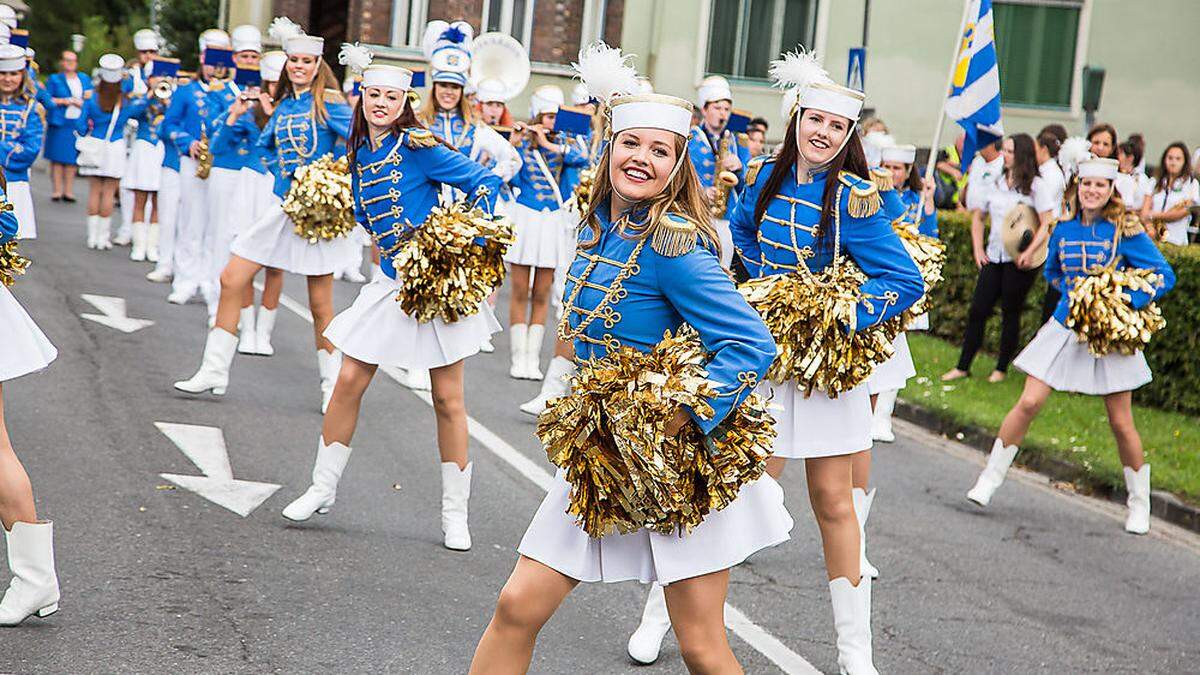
(605, 72)
(1073, 151)
(796, 70)
(355, 57)
(283, 28)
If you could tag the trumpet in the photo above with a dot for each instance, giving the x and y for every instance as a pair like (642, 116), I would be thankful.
(163, 89)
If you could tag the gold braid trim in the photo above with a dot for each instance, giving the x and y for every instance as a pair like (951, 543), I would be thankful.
(882, 179)
(864, 200)
(420, 138)
(673, 238)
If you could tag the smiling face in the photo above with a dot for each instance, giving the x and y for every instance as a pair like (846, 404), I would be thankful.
(1009, 152)
(10, 81)
(820, 135)
(899, 172)
(446, 95)
(716, 114)
(641, 161)
(68, 63)
(301, 69)
(382, 106)
(1094, 193)
(1102, 143)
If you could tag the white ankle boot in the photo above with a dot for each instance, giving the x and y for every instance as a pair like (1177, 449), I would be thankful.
(137, 252)
(328, 365)
(1137, 483)
(214, 367)
(327, 471)
(265, 325)
(852, 620)
(554, 385)
(93, 230)
(104, 233)
(533, 351)
(881, 420)
(417, 379)
(456, 493)
(862, 509)
(153, 232)
(247, 334)
(517, 335)
(993, 474)
(34, 585)
(486, 346)
(646, 641)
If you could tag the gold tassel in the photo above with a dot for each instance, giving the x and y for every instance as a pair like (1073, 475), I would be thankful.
(421, 138)
(12, 263)
(673, 238)
(1131, 225)
(864, 200)
(882, 179)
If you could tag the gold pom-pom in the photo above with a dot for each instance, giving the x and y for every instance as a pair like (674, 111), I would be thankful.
(929, 253)
(12, 264)
(809, 320)
(1100, 313)
(625, 472)
(319, 202)
(450, 264)
(583, 190)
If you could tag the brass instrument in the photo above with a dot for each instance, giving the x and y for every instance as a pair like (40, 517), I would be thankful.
(204, 158)
(723, 182)
(163, 89)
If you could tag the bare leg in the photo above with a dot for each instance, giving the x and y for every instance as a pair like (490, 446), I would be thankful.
(1016, 422)
(341, 417)
(69, 171)
(153, 206)
(829, 488)
(543, 280)
(108, 195)
(248, 296)
(95, 187)
(775, 466)
(861, 469)
(320, 302)
(1120, 418)
(139, 204)
(56, 177)
(518, 302)
(16, 494)
(451, 410)
(529, 598)
(272, 288)
(235, 279)
(697, 609)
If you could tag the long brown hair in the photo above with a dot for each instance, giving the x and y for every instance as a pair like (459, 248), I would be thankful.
(429, 107)
(107, 95)
(683, 196)
(851, 158)
(1162, 181)
(324, 85)
(360, 130)
(1024, 165)
(1113, 211)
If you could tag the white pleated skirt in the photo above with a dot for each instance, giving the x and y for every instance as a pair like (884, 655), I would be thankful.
(542, 237)
(1057, 357)
(112, 161)
(144, 169)
(24, 348)
(272, 241)
(376, 330)
(893, 374)
(755, 520)
(818, 426)
(22, 202)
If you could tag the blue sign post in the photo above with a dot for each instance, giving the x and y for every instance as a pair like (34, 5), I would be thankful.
(856, 68)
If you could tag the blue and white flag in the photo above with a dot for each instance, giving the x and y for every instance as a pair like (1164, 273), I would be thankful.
(974, 100)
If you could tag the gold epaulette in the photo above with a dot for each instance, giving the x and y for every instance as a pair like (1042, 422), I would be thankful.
(216, 85)
(882, 179)
(420, 138)
(333, 96)
(673, 236)
(755, 166)
(1131, 225)
(864, 198)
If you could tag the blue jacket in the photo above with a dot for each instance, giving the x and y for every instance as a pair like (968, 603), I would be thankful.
(397, 184)
(190, 116)
(1075, 248)
(150, 121)
(786, 233)
(96, 121)
(537, 189)
(663, 294)
(451, 127)
(244, 135)
(56, 87)
(295, 138)
(21, 133)
(701, 150)
(571, 174)
(8, 222)
(227, 156)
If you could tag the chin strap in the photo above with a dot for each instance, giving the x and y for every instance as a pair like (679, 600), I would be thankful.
(821, 167)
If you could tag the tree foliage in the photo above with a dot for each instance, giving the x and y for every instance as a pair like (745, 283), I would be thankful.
(181, 22)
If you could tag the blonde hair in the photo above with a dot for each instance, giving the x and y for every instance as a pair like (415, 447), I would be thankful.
(683, 196)
(429, 107)
(324, 88)
(1112, 211)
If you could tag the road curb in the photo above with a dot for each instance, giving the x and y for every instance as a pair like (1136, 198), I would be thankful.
(1163, 504)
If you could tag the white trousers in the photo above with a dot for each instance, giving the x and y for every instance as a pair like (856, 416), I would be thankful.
(168, 215)
(226, 217)
(191, 259)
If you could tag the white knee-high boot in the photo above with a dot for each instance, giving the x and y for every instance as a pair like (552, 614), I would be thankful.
(881, 419)
(554, 385)
(327, 471)
(34, 585)
(265, 325)
(104, 233)
(247, 333)
(137, 252)
(993, 474)
(456, 494)
(646, 641)
(862, 509)
(517, 334)
(329, 364)
(214, 367)
(533, 351)
(852, 620)
(1137, 483)
(93, 232)
(153, 234)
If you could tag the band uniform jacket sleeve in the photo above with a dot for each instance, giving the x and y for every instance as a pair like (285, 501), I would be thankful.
(506, 161)
(228, 137)
(20, 145)
(8, 221)
(893, 281)
(174, 127)
(1138, 251)
(445, 166)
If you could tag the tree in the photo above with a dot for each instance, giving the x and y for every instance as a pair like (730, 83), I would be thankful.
(181, 22)
(51, 24)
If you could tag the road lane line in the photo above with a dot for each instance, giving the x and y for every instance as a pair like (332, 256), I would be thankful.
(751, 633)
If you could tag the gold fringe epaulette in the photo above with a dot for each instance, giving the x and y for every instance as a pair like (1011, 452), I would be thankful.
(333, 96)
(882, 179)
(864, 200)
(1131, 225)
(673, 236)
(756, 165)
(216, 85)
(421, 138)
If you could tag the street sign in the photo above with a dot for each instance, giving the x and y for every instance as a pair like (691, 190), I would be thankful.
(856, 68)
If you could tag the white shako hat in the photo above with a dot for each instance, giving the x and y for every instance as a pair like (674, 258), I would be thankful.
(905, 154)
(447, 46)
(292, 37)
(357, 59)
(491, 90)
(608, 78)
(146, 40)
(112, 67)
(651, 111)
(545, 99)
(12, 58)
(5, 32)
(213, 37)
(1098, 167)
(807, 85)
(246, 38)
(713, 88)
(271, 65)
(580, 95)
(8, 16)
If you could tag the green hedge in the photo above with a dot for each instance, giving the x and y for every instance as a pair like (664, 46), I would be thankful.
(1174, 353)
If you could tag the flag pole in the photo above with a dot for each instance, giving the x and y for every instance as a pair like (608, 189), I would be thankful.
(931, 163)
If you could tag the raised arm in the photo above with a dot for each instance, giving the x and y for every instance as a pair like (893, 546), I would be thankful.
(443, 165)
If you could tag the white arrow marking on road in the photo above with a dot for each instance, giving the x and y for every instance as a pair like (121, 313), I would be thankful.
(113, 313)
(205, 446)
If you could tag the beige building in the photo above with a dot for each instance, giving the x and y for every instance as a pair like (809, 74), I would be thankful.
(1152, 70)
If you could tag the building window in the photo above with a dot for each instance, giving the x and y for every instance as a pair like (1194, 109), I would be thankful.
(1035, 45)
(745, 35)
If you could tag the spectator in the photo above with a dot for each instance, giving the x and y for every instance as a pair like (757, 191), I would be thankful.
(67, 90)
(950, 181)
(1104, 140)
(1047, 146)
(981, 176)
(1175, 191)
(1133, 185)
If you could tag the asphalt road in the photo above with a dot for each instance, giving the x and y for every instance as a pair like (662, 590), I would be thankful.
(156, 579)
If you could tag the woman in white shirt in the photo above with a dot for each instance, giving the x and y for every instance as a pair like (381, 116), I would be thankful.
(1175, 192)
(1133, 185)
(1002, 279)
(1054, 183)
